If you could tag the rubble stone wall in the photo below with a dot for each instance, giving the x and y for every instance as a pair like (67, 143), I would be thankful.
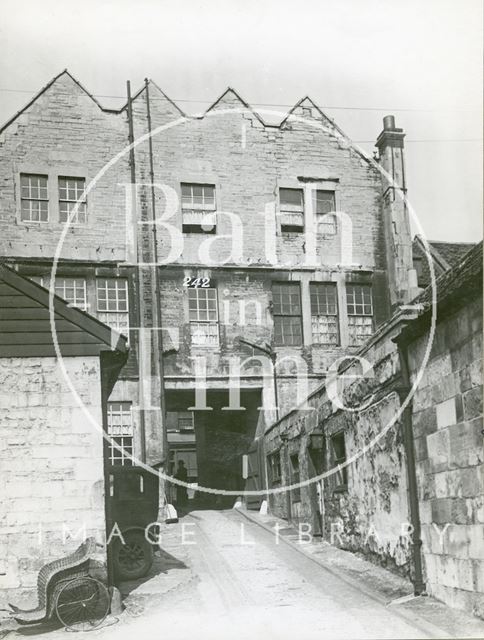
(370, 514)
(51, 461)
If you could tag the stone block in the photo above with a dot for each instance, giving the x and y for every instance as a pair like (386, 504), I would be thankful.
(455, 540)
(446, 413)
(476, 541)
(465, 443)
(452, 510)
(424, 422)
(438, 447)
(473, 403)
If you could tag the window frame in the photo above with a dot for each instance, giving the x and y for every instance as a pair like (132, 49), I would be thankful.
(313, 287)
(288, 227)
(108, 315)
(199, 210)
(351, 313)
(276, 314)
(201, 322)
(30, 199)
(117, 457)
(323, 215)
(85, 305)
(80, 199)
(295, 471)
(274, 464)
(341, 485)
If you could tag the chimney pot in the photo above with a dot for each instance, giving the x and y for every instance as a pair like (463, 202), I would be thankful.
(389, 123)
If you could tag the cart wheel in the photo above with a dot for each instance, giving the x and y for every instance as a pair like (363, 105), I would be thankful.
(82, 604)
(133, 559)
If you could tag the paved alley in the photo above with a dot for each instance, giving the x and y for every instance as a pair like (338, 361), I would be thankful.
(228, 573)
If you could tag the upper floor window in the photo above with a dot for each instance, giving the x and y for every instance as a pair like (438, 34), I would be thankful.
(325, 205)
(203, 315)
(71, 193)
(291, 209)
(112, 303)
(286, 300)
(120, 429)
(34, 198)
(198, 208)
(359, 307)
(73, 291)
(324, 313)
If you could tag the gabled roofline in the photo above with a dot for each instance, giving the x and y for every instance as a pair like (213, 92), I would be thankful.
(45, 88)
(332, 123)
(157, 87)
(83, 320)
(239, 97)
(229, 89)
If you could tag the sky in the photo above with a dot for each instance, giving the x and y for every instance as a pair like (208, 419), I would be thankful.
(357, 59)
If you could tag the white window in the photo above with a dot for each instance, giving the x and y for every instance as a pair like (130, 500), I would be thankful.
(291, 209)
(359, 307)
(203, 316)
(324, 313)
(71, 193)
(325, 218)
(73, 291)
(198, 208)
(120, 430)
(34, 198)
(112, 303)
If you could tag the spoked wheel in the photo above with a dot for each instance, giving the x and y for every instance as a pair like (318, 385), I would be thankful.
(82, 604)
(133, 559)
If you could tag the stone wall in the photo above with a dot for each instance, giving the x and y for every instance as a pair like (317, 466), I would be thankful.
(369, 513)
(51, 468)
(449, 448)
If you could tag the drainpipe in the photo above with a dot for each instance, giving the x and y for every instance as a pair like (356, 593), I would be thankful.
(156, 282)
(408, 442)
(140, 297)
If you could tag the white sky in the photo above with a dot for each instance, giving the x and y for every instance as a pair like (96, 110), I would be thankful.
(423, 55)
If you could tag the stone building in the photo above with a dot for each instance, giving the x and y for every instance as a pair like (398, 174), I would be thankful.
(399, 475)
(282, 236)
(52, 472)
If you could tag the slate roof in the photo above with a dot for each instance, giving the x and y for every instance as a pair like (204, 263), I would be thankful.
(445, 255)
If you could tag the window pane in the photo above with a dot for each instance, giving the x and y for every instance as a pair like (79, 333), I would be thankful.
(291, 197)
(325, 201)
(203, 316)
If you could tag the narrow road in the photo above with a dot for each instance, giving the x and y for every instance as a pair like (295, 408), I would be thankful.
(246, 586)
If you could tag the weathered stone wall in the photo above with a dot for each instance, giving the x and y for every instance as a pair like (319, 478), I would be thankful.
(51, 468)
(449, 448)
(370, 514)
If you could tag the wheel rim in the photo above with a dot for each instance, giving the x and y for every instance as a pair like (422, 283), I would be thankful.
(131, 556)
(82, 604)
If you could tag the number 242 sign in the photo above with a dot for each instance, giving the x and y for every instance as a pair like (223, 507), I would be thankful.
(195, 283)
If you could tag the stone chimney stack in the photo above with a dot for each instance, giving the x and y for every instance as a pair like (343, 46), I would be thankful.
(401, 275)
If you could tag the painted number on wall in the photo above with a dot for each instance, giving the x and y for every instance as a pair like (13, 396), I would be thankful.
(195, 283)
